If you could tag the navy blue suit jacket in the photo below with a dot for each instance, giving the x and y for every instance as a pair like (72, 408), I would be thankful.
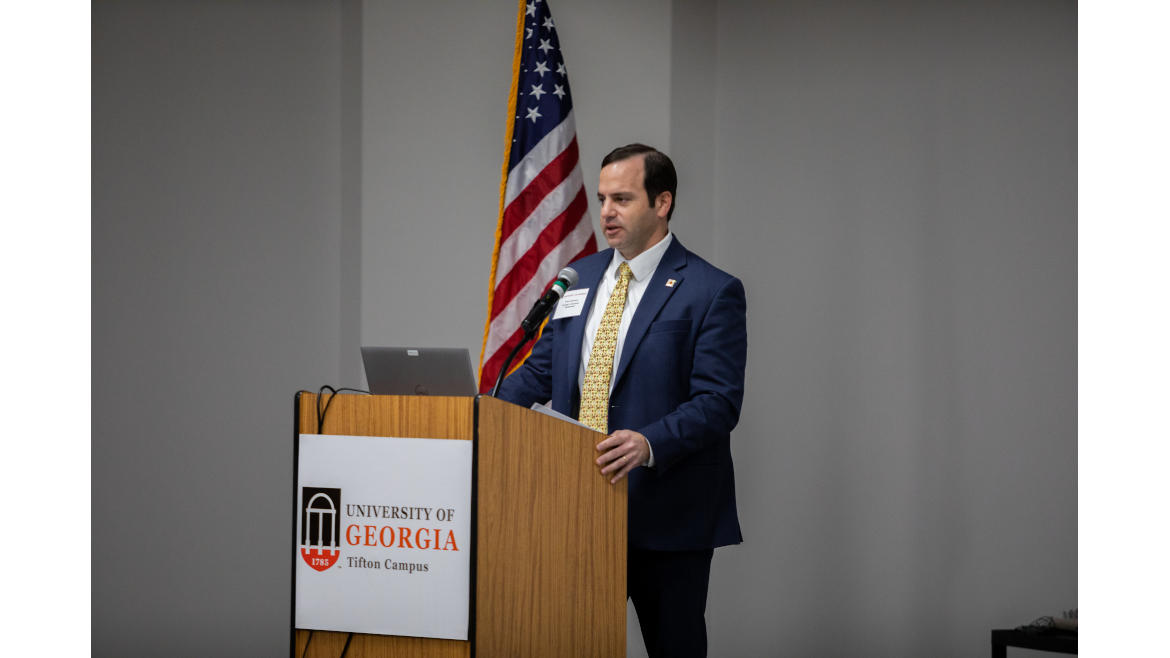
(679, 382)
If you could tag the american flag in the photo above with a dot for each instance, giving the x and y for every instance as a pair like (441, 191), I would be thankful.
(544, 216)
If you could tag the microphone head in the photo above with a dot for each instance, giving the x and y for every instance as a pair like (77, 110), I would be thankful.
(569, 276)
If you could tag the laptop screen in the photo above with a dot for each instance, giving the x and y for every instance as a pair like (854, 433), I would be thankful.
(419, 371)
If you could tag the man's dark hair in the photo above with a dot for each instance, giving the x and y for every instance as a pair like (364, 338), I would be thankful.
(659, 171)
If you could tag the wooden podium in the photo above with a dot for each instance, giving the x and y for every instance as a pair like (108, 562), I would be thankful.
(548, 555)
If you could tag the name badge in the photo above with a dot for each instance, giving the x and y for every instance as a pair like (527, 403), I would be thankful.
(571, 304)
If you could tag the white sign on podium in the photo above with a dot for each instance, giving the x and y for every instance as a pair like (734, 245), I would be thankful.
(383, 535)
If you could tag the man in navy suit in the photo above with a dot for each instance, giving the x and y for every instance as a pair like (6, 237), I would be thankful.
(676, 388)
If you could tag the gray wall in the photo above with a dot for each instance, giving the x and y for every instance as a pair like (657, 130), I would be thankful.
(216, 295)
(895, 184)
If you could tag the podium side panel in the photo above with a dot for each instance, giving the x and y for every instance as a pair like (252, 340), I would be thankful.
(387, 415)
(551, 560)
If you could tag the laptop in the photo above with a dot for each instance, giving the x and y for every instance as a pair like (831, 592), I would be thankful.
(419, 370)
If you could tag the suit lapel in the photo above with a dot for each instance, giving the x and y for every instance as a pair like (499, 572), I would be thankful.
(653, 299)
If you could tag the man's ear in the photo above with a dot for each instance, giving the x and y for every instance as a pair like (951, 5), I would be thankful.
(662, 204)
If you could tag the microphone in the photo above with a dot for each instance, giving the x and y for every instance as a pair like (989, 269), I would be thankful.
(567, 278)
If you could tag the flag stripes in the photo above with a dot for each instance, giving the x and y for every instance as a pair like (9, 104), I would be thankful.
(543, 223)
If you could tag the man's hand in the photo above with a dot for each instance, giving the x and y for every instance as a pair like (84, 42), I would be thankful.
(622, 452)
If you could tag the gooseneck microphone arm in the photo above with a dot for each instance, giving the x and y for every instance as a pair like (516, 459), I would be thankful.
(508, 361)
(567, 278)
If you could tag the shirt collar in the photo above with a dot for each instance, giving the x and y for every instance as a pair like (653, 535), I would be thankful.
(644, 264)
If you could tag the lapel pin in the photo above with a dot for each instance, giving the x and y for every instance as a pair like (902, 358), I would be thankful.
(670, 283)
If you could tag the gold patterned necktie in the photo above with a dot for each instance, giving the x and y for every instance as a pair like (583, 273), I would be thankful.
(595, 392)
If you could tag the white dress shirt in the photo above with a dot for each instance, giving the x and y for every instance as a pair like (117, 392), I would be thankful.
(642, 269)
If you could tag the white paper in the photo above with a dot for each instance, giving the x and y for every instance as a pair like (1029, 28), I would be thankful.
(549, 411)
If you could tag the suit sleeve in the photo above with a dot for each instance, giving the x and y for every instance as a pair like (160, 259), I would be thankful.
(715, 394)
(532, 381)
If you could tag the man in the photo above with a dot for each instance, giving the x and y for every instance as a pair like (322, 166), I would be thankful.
(655, 358)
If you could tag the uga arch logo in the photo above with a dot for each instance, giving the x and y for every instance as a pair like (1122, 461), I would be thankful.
(320, 526)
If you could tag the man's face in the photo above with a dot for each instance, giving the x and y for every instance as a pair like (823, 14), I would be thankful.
(631, 224)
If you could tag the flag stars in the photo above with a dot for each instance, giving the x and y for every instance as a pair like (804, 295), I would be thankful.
(544, 46)
(538, 91)
(561, 69)
(531, 9)
(541, 68)
(533, 114)
(529, 35)
(548, 23)
(558, 91)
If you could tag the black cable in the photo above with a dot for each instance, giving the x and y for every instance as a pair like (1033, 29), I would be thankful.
(345, 649)
(321, 413)
(508, 361)
(307, 643)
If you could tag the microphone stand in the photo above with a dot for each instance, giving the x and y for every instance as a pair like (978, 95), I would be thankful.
(528, 335)
(531, 325)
